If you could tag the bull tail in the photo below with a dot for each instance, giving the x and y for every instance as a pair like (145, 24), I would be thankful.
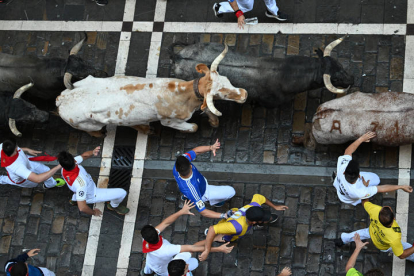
(174, 56)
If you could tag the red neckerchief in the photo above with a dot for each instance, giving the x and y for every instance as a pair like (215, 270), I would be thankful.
(8, 160)
(148, 247)
(70, 176)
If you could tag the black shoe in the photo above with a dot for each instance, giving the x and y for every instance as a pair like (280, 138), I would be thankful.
(273, 218)
(279, 16)
(339, 242)
(216, 8)
(184, 198)
(101, 2)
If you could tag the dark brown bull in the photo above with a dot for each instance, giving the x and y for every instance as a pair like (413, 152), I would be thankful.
(389, 114)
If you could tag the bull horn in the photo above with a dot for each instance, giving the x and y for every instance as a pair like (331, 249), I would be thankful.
(330, 87)
(21, 90)
(17, 95)
(13, 128)
(218, 59)
(67, 80)
(210, 105)
(75, 49)
(332, 45)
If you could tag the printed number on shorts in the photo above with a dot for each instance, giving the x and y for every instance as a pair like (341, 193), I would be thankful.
(200, 204)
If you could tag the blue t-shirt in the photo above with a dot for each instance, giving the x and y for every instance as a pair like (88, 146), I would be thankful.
(195, 186)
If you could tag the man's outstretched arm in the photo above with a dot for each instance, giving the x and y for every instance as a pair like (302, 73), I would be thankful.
(276, 207)
(203, 149)
(364, 138)
(88, 154)
(37, 178)
(188, 205)
(358, 246)
(390, 188)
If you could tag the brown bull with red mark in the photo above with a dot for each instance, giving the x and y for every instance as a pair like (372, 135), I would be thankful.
(389, 114)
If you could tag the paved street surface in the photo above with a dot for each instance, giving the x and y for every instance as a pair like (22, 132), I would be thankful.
(132, 37)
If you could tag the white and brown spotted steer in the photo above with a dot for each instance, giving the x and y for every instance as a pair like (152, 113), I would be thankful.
(135, 102)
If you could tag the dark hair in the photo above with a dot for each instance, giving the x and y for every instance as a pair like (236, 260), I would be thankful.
(183, 166)
(352, 171)
(386, 216)
(176, 267)
(9, 146)
(66, 160)
(374, 272)
(18, 269)
(149, 234)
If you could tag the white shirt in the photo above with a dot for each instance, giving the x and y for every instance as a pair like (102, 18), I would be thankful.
(84, 187)
(350, 193)
(20, 170)
(159, 259)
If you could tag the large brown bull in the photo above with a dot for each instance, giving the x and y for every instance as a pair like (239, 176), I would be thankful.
(389, 114)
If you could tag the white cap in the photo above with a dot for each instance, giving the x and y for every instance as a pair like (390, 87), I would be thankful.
(186, 257)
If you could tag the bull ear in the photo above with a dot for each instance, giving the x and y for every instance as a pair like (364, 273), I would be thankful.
(319, 52)
(204, 105)
(202, 68)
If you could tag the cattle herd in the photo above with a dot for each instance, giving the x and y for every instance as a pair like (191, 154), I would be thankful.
(92, 100)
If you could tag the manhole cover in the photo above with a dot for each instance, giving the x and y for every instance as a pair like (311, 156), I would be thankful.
(123, 157)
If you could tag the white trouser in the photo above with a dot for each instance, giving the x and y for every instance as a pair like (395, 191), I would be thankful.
(114, 195)
(216, 194)
(364, 235)
(247, 5)
(46, 271)
(192, 264)
(37, 168)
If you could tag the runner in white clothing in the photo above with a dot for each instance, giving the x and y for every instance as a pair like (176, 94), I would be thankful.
(352, 185)
(160, 251)
(25, 173)
(84, 188)
(239, 7)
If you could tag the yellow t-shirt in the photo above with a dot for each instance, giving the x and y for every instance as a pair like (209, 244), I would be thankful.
(237, 226)
(353, 272)
(383, 237)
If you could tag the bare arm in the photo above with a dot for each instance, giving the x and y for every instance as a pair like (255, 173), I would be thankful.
(240, 20)
(209, 240)
(210, 214)
(31, 151)
(390, 188)
(88, 154)
(37, 178)
(364, 138)
(84, 208)
(203, 149)
(276, 207)
(358, 246)
(407, 252)
(170, 220)
(199, 247)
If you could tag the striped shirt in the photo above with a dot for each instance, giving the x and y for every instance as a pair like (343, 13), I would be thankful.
(81, 183)
(193, 187)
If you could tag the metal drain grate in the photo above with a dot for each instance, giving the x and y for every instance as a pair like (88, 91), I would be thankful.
(120, 178)
(123, 157)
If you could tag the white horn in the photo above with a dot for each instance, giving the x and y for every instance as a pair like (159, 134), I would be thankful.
(218, 59)
(75, 49)
(210, 105)
(332, 45)
(13, 128)
(330, 87)
(21, 90)
(67, 80)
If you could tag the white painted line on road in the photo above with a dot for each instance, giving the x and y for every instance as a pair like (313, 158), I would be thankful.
(286, 28)
(139, 156)
(160, 10)
(96, 222)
